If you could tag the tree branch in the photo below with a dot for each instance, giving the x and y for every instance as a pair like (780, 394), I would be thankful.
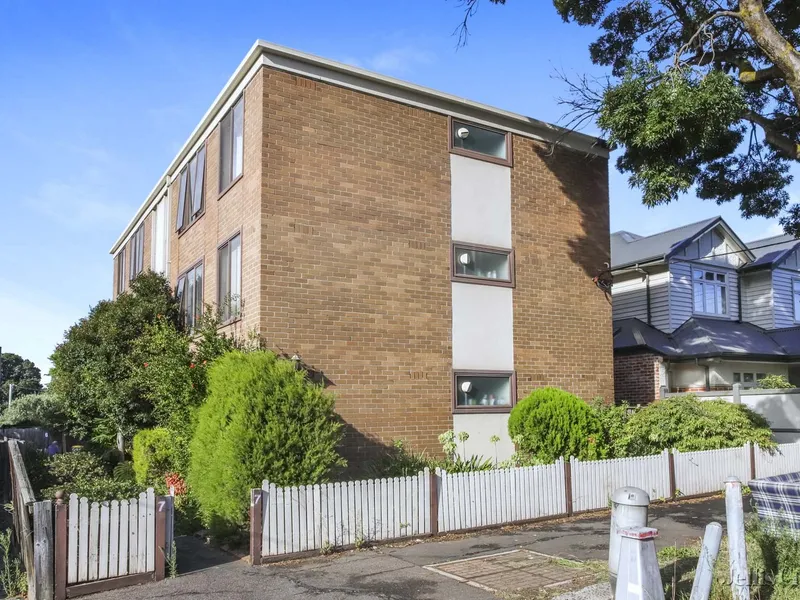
(781, 143)
(701, 28)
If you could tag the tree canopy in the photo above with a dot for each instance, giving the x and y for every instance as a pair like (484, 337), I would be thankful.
(702, 94)
(25, 376)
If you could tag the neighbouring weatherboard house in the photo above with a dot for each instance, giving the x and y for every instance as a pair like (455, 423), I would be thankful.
(428, 257)
(697, 309)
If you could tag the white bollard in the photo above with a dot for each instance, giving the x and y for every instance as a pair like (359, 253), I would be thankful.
(638, 577)
(628, 509)
(734, 513)
(704, 576)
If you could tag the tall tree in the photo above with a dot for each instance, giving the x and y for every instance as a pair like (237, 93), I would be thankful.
(702, 93)
(26, 376)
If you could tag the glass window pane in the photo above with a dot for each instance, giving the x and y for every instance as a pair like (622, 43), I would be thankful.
(737, 378)
(698, 274)
(479, 139)
(721, 277)
(225, 152)
(797, 301)
(236, 275)
(698, 297)
(748, 377)
(722, 300)
(709, 276)
(484, 264)
(223, 282)
(483, 391)
(796, 286)
(710, 299)
(188, 305)
(198, 293)
(760, 376)
(238, 138)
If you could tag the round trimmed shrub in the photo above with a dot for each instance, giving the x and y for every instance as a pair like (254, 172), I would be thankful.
(263, 419)
(551, 423)
(688, 424)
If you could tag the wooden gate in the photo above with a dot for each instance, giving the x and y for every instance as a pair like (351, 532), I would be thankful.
(107, 545)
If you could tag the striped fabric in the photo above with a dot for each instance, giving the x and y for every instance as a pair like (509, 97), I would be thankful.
(777, 501)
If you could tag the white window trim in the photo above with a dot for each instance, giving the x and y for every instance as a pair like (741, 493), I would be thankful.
(726, 285)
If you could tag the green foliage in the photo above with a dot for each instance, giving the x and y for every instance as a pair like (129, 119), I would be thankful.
(157, 452)
(94, 370)
(263, 419)
(774, 382)
(551, 423)
(13, 580)
(398, 460)
(687, 424)
(26, 377)
(42, 410)
(83, 473)
(695, 103)
(613, 419)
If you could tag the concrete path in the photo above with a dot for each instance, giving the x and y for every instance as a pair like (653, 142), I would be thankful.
(396, 572)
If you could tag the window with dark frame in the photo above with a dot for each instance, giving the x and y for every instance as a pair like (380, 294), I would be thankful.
(121, 271)
(231, 145)
(190, 195)
(190, 295)
(480, 142)
(229, 279)
(482, 264)
(484, 391)
(136, 245)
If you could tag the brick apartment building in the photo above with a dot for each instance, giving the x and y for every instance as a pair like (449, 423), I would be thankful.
(430, 256)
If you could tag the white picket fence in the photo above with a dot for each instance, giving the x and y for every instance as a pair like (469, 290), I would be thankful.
(705, 472)
(593, 482)
(110, 539)
(480, 499)
(313, 517)
(299, 519)
(785, 459)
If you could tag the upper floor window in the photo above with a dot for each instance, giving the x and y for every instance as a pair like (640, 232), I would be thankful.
(120, 271)
(190, 195)
(796, 298)
(190, 295)
(482, 264)
(710, 292)
(229, 285)
(231, 145)
(480, 142)
(137, 253)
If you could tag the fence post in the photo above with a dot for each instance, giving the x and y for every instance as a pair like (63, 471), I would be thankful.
(673, 488)
(60, 548)
(161, 537)
(43, 549)
(568, 483)
(256, 525)
(737, 393)
(752, 460)
(434, 485)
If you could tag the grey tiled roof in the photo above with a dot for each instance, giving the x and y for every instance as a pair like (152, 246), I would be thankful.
(630, 249)
(700, 337)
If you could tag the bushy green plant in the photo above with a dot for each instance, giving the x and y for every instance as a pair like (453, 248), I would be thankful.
(83, 473)
(12, 575)
(774, 382)
(551, 423)
(398, 460)
(35, 410)
(157, 452)
(263, 419)
(687, 423)
(613, 419)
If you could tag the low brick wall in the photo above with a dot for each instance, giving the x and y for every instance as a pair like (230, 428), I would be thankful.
(636, 378)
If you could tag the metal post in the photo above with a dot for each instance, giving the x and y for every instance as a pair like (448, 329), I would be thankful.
(734, 513)
(704, 576)
(639, 576)
(629, 507)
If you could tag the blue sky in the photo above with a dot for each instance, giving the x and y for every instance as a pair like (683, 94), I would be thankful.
(97, 97)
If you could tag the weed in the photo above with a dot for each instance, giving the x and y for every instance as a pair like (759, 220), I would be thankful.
(326, 549)
(172, 561)
(12, 576)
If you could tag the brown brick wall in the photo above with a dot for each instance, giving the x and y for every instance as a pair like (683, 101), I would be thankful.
(560, 233)
(636, 378)
(238, 209)
(355, 272)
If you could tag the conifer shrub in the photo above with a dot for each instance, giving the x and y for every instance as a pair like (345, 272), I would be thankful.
(263, 419)
(551, 423)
